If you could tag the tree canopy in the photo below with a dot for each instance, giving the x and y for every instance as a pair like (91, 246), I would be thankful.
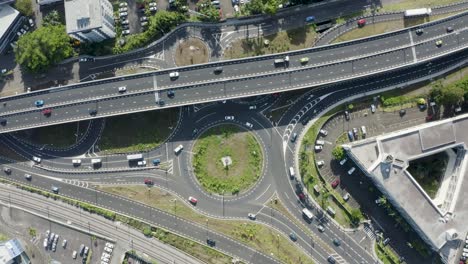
(38, 50)
(263, 6)
(338, 152)
(51, 19)
(208, 11)
(25, 7)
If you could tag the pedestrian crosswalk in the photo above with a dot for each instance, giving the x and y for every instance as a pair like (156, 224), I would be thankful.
(339, 259)
(369, 232)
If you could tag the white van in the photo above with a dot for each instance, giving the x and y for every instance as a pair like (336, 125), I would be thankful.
(364, 131)
(76, 162)
(291, 172)
(178, 149)
(96, 161)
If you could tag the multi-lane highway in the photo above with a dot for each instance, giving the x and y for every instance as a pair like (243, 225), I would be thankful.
(239, 78)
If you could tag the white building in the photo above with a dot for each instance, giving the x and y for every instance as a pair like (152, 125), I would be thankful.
(89, 20)
(12, 252)
(10, 21)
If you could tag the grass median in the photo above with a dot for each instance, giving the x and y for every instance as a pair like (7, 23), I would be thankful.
(234, 143)
(255, 235)
(137, 132)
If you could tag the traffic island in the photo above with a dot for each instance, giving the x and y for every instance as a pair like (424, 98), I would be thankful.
(138, 132)
(227, 160)
(191, 51)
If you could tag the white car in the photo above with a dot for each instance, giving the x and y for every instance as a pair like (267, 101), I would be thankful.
(351, 170)
(346, 197)
(123, 9)
(249, 125)
(123, 4)
(343, 161)
(125, 22)
(252, 107)
(105, 255)
(142, 163)
(106, 260)
(122, 89)
(37, 159)
(109, 250)
(46, 242)
(152, 4)
(126, 32)
(76, 162)
(153, 9)
(229, 118)
(123, 14)
(144, 23)
(318, 147)
(110, 245)
(320, 163)
(178, 149)
(143, 19)
(174, 75)
(323, 132)
(251, 216)
(74, 254)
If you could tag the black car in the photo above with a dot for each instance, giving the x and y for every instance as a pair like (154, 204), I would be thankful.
(218, 70)
(7, 170)
(449, 29)
(346, 115)
(419, 31)
(93, 112)
(402, 112)
(331, 260)
(211, 242)
(170, 93)
(3, 122)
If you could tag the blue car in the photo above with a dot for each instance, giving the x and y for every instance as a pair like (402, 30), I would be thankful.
(39, 103)
(156, 162)
(310, 19)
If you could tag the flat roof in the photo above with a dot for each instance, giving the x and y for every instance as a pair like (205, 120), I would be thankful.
(82, 15)
(385, 159)
(7, 16)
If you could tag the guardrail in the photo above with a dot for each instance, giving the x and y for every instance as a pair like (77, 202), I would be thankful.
(345, 27)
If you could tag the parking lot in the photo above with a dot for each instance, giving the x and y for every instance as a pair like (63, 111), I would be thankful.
(74, 238)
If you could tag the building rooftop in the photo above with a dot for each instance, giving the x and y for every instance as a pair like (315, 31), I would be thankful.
(385, 160)
(10, 250)
(82, 15)
(7, 16)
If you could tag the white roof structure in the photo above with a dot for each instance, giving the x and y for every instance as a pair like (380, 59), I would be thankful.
(385, 159)
(7, 16)
(82, 15)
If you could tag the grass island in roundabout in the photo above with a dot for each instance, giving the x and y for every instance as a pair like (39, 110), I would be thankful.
(227, 160)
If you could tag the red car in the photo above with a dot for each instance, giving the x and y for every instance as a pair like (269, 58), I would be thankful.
(47, 112)
(193, 200)
(335, 183)
(361, 22)
(301, 196)
(149, 182)
(429, 118)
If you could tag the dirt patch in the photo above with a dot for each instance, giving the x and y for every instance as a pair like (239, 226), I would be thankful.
(191, 51)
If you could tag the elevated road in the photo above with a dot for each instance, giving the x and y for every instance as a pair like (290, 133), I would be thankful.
(240, 78)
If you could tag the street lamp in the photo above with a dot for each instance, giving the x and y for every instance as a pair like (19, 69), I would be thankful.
(223, 202)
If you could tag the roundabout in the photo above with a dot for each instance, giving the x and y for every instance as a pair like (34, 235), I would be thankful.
(227, 160)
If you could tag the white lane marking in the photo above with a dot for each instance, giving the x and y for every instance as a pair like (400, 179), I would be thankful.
(263, 192)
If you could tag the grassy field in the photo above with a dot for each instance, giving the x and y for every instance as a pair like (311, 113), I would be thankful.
(385, 255)
(255, 235)
(410, 4)
(369, 30)
(294, 39)
(191, 51)
(227, 141)
(56, 136)
(3, 237)
(137, 132)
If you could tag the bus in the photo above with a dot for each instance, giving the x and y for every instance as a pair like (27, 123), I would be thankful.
(134, 157)
(307, 215)
(418, 12)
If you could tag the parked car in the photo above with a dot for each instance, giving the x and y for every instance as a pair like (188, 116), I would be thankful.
(346, 114)
(419, 31)
(124, 22)
(3, 121)
(64, 243)
(109, 245)
(320, 163)
(156, 162)
(346, 197)
(143, 19)
(229, 118)
(293, 137)
(152, 4)
(318, 147)
(343, 161)
(372, 108)
(144, 23)
(350, 171)
(249, 125)
(323, 132)
(36, 159)
(153, 9)
(193, 200)
(355, 133)
(123, 9)
(141, 163)
(123, 14)
(335, 183)
(126, 32)
(402, 112)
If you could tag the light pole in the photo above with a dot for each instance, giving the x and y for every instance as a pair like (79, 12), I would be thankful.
(207, 229)
(277, 239)
(175, 211)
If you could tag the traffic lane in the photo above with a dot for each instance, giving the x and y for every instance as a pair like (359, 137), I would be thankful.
(459, 22)
(449, 42)
(62, 96)
(152, 215)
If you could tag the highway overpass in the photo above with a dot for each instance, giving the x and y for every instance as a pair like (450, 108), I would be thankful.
(239, 78)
